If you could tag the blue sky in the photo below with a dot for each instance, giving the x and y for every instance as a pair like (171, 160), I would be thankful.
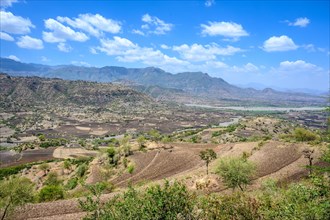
(275, 43)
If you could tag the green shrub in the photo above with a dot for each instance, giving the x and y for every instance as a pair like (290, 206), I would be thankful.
(51, 193)
(72, 183)
(216, 133)
(81, 170)
(301, 134)
(157, 202)
(52, 179)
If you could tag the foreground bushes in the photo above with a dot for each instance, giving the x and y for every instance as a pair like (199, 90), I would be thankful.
(307, 200)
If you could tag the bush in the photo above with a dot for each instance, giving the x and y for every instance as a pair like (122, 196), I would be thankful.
(52, 179)
(81, 170)
(157, 202)
(72, 183)
(236, 172)
(301, 134)
(51, 193)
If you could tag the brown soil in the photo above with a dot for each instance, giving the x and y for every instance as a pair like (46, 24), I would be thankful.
(281, 161)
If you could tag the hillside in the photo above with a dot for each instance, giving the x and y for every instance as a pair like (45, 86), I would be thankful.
(36, 91)
(192, 85)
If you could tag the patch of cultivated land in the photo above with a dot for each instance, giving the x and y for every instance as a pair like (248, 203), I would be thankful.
(65, 153)
(181, 161)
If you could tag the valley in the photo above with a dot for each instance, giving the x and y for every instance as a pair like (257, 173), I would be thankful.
(66, 136)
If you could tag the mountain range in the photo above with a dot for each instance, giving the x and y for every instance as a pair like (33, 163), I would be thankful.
(186, 87)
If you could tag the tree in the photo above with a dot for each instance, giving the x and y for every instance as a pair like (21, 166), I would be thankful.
(308, 153)
(15, 192)
(208, 155)
(236, 172)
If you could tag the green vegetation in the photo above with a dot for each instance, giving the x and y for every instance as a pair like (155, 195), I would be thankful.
(236, 172)
(207, 155)
(305, 200)
(302, 134)
(53, 142)
(50, 193)
(72, 183)
(15, 192)
(52, 179)
(166, 202)
(130, 169)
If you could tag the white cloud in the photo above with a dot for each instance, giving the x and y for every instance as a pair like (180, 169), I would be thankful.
(30, 43)
(93, 50)
(209, 3)
(80, 63)
(93, 24)
(153, 25)
(300, 22)
(197, 52)
(282, 43)
(165, 47)
(5, 36)
(298, 66)
(139, 32)
(64, 47)
(226, 29)
(14, 24)
(61, 33)
(13, 57)
(247, 68)
(126, 51)
(7, 3)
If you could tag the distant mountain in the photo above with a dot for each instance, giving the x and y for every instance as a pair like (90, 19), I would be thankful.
(190, 84)
(260, 86)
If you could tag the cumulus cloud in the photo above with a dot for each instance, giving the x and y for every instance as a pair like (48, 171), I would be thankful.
(61, 33)
(209, 3)
(153, 25)
(126, 51)
(28, 42)
(222, 28)
(7, 3)
(5, 36)
(282, 43)
(14, 24)
(64, 47)
(197, 52)
(298, 66)
(95, 25)
(13, 57)
(300, 22)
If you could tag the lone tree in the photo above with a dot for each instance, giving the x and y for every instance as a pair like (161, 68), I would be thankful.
(15, 192)
(236, 172)
(308, 153)
(208, 155)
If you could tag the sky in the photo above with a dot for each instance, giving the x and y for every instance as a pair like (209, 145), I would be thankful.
(275, 43)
